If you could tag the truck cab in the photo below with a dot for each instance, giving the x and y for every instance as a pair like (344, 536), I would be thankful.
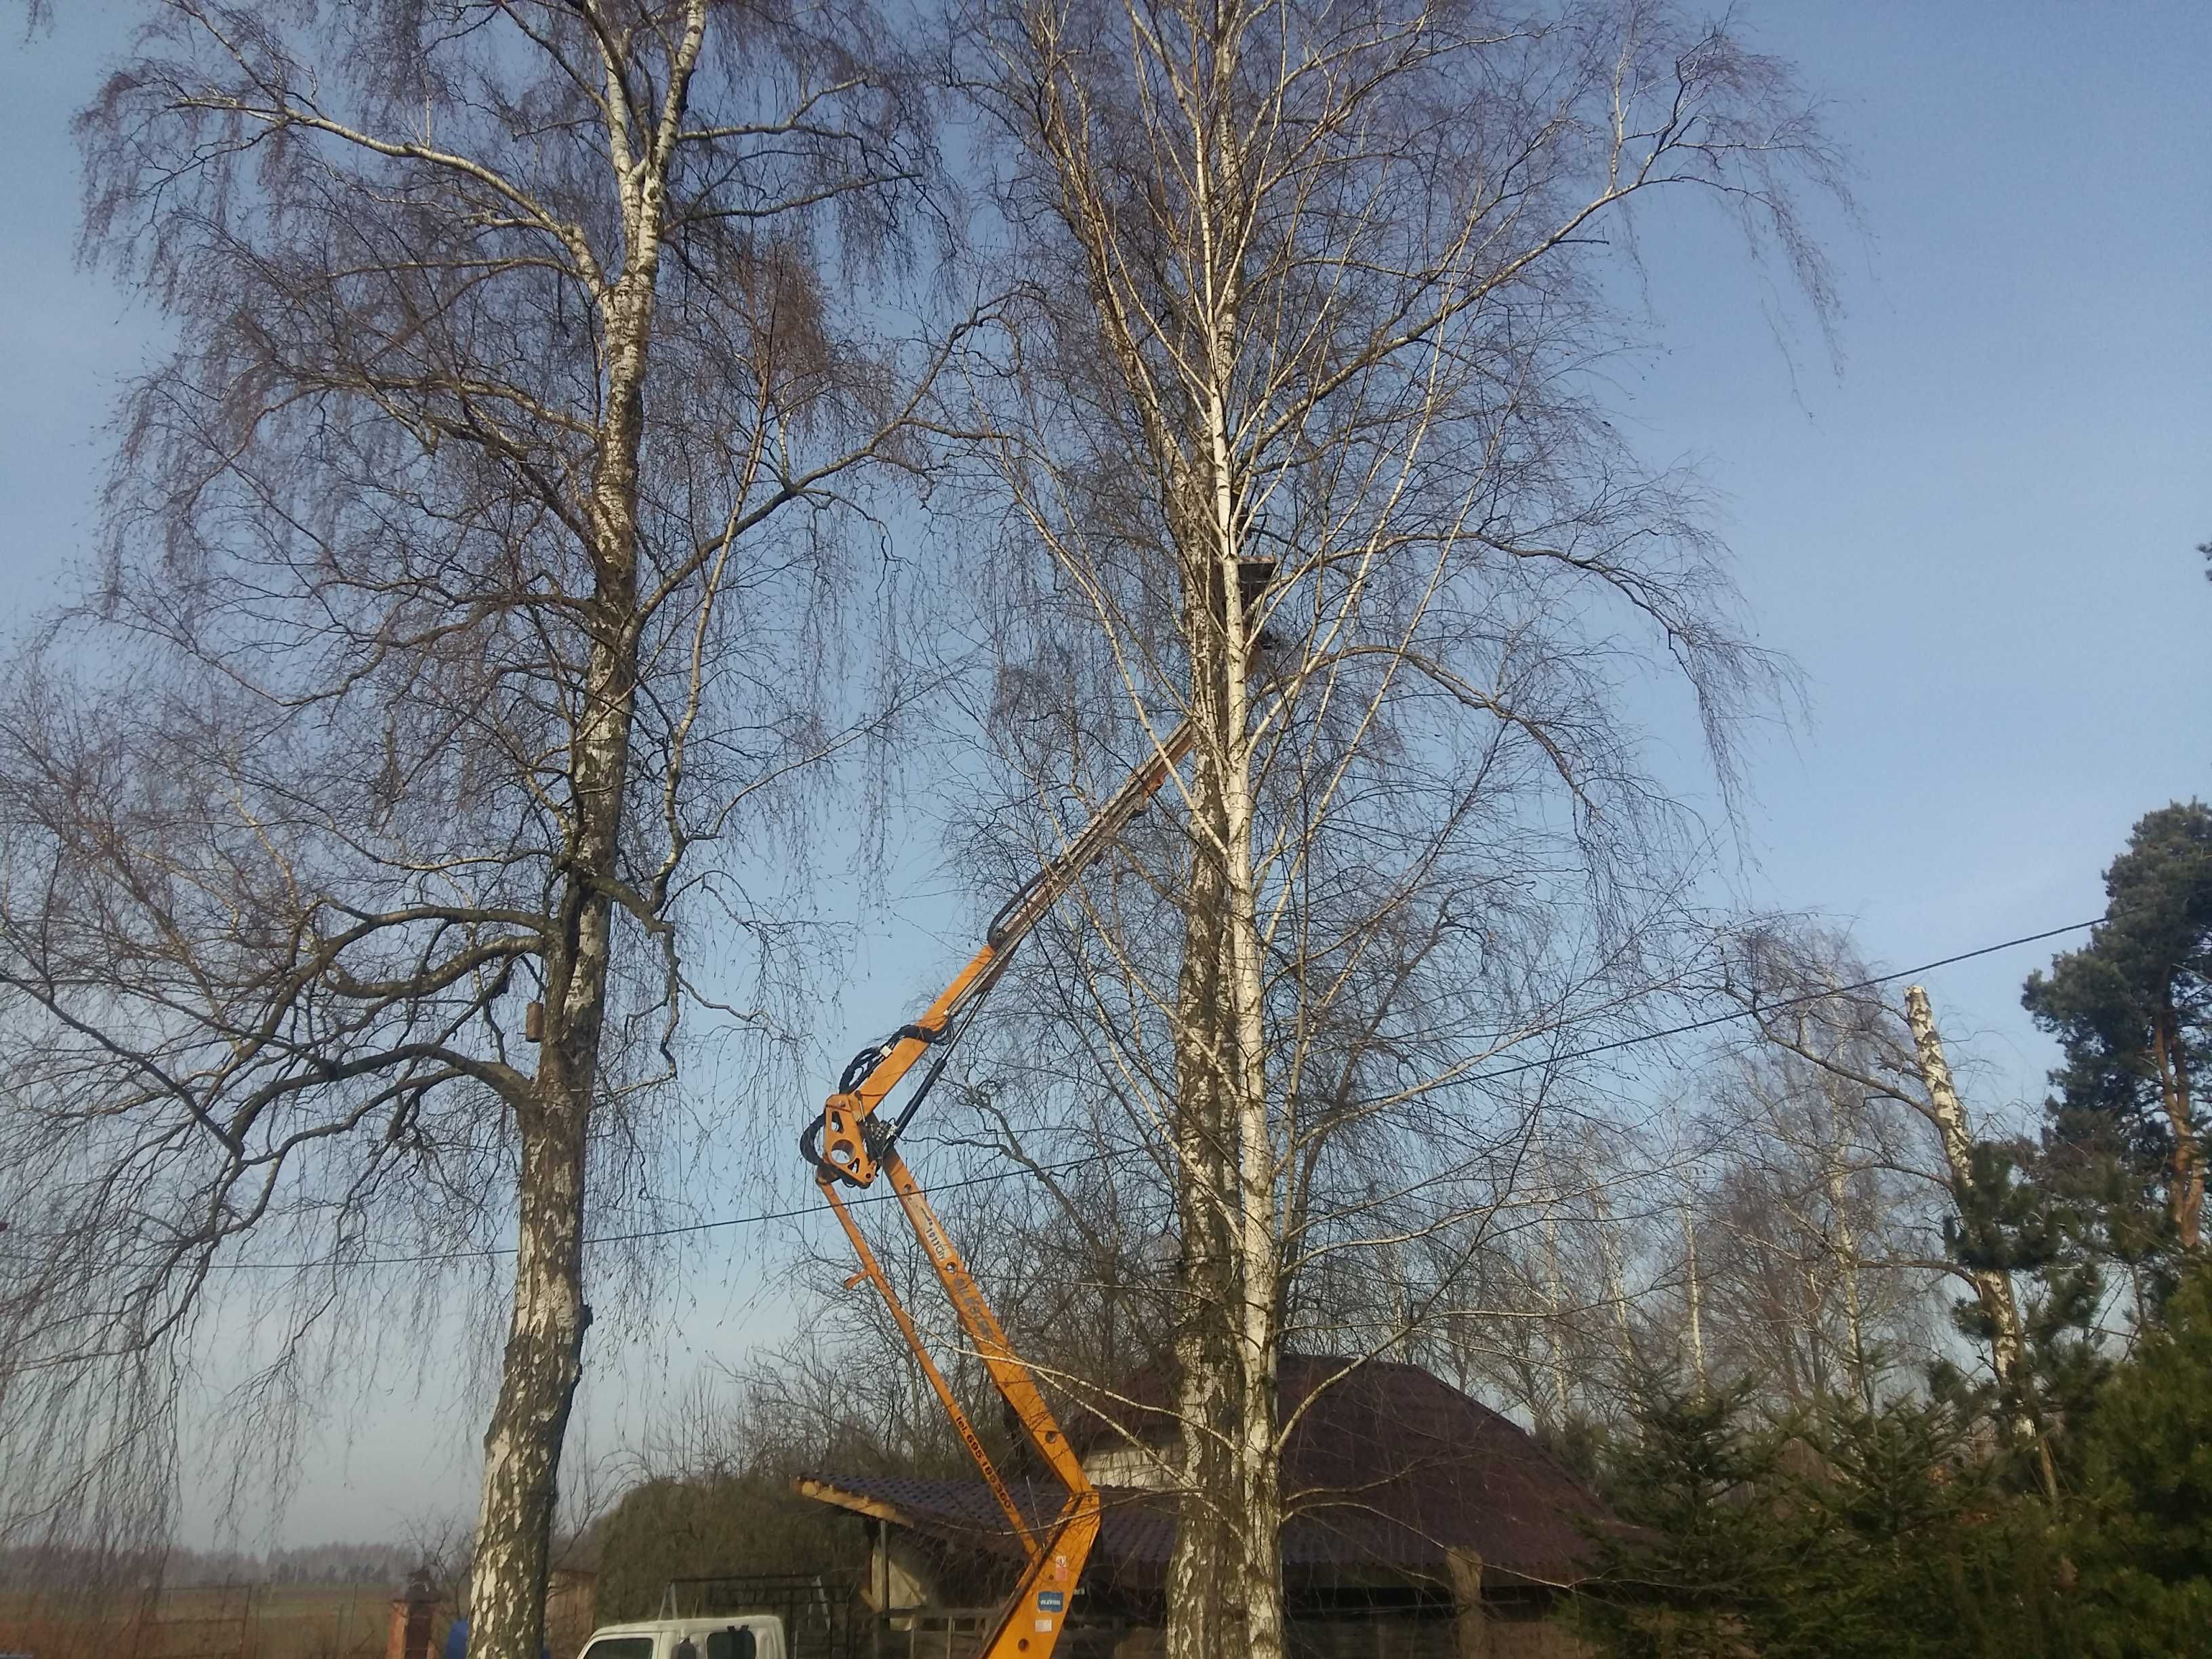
(732, 1635)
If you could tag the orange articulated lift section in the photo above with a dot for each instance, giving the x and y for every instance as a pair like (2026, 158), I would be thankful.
(850, 1146)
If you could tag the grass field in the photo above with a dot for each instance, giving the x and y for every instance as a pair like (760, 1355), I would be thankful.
(271, 1621)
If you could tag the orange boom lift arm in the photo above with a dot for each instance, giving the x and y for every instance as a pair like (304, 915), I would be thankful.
(852, 1143)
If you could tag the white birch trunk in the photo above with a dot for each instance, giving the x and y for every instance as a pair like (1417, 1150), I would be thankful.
(1697, 1309)
(545, 1355)
(1555, 1303)
(1616, 1289)
(1993, 1288)
(1198, 1622)
(1256, 1222)
(1847, 1256)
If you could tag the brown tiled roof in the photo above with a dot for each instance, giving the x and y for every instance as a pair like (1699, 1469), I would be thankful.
(1385, 1471)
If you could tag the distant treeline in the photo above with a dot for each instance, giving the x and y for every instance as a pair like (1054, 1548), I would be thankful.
(60, 1568)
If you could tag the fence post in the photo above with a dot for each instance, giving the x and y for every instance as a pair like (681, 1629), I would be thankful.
(1470, 1624)
(408, 1634)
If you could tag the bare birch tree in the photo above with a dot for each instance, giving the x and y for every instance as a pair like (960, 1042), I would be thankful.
(1298, 424)
(1818, 1232)
(1807, 992)
(470, 610)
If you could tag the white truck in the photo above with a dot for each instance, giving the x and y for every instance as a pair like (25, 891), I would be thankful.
(731, 1636)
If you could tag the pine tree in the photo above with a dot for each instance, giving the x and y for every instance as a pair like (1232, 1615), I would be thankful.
(2132, 1010)
(2144, 1540)
(1901, 1540)
(1886, 1533)
(1698, 1554)
(2012, 1218)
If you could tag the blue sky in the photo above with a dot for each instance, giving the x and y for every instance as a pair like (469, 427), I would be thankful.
(1976, 536)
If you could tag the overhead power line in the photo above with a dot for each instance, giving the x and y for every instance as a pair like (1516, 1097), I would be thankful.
(478, 1253)
(1821, 995)
(763, 1218)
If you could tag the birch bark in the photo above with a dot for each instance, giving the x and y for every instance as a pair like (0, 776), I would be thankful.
(1696, 1297)
(1257, 1282)
(1993, 1288)
(1847, 1254)
(1202, 1622)
(543, 1360)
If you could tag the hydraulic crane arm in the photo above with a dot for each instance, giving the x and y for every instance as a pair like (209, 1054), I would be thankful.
(850, 1145)
(852, 1139)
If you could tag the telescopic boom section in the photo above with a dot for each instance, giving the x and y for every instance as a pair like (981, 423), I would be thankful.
(852, 1139)
(850, 1145)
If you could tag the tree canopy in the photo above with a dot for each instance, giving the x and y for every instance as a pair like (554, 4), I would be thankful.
(2132, 1010)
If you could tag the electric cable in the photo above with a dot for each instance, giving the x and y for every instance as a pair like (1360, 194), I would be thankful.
(1490, 1074)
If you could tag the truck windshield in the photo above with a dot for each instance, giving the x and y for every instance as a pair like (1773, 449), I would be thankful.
(621, 1647)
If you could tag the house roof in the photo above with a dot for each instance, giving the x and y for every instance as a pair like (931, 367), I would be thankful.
(1386, 1472)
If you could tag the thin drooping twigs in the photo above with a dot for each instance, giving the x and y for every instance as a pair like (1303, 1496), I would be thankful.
(1294, 437)
(467, 651)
